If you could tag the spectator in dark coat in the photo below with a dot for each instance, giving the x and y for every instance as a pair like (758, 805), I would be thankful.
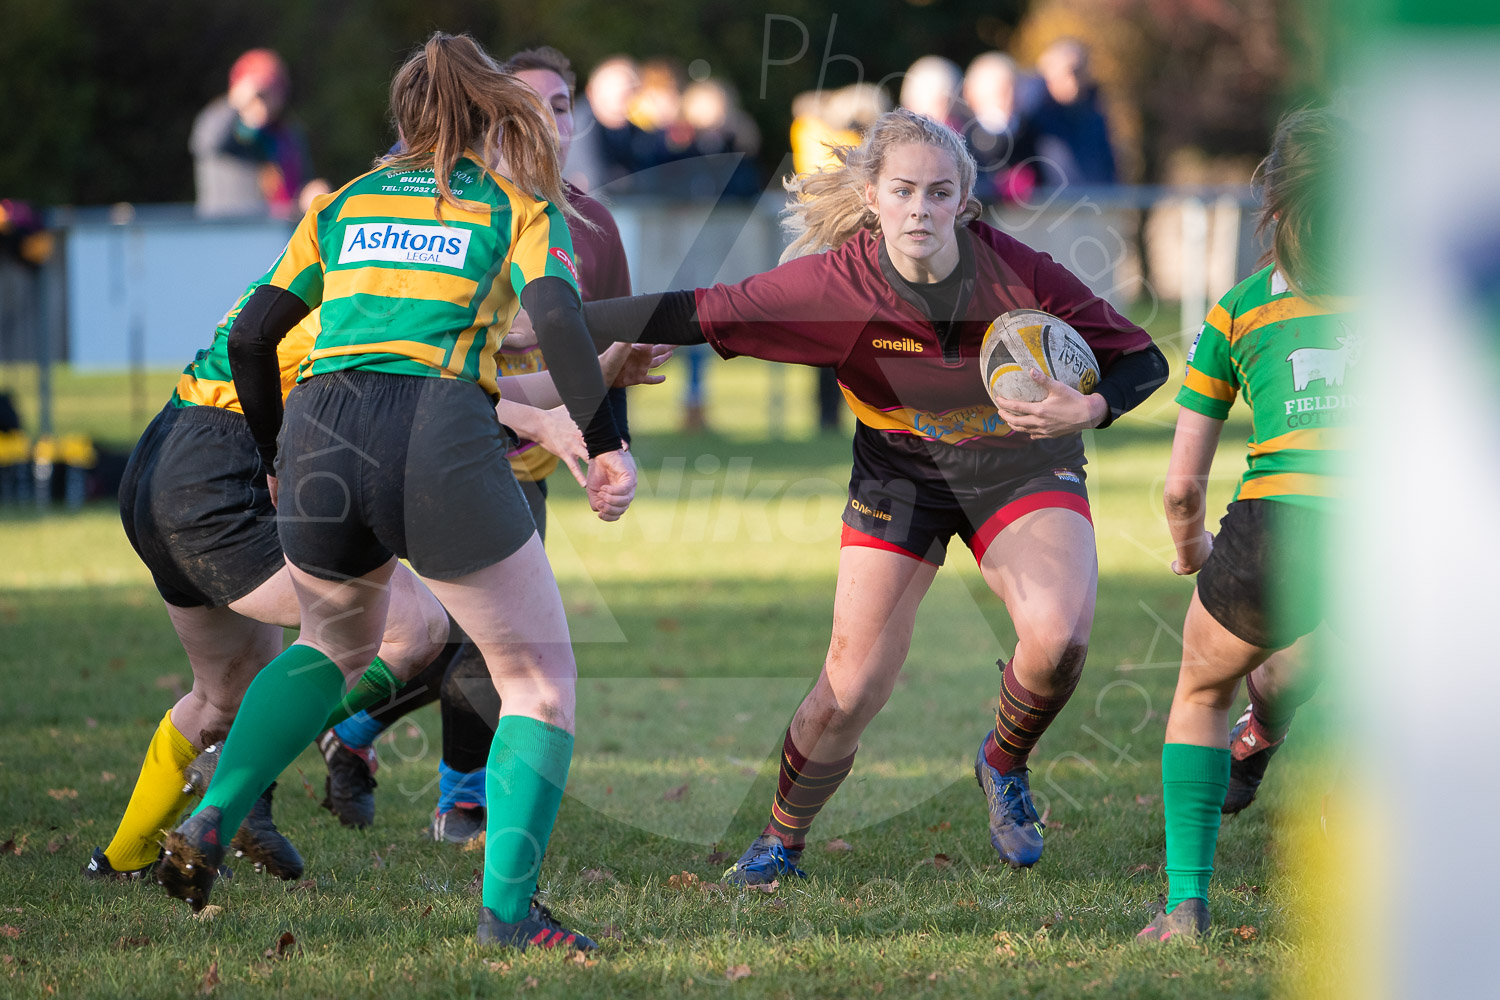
(1072, 135)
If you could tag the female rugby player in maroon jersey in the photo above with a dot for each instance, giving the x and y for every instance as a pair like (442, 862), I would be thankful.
(898, 306)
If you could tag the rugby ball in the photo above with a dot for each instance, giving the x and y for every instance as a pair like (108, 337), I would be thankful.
(1023, 339)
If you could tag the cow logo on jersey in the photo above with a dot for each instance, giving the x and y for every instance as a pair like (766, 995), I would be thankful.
(562, 255)
(445, 246)
(1311, 363)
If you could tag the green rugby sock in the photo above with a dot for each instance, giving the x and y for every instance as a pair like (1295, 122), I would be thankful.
(528, 768)
(279, 717)
(1193, 782)
(376, 685)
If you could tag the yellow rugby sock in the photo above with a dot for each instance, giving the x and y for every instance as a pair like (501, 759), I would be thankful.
(156, 802)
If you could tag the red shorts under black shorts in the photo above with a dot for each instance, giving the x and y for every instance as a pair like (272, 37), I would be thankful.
(917, 515)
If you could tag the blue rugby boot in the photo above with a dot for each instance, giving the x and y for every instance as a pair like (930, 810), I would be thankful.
(766, 860)
(1015, 828)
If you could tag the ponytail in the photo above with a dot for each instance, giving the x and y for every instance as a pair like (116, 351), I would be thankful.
(450, 97)
(827, 208)
(1298, 199)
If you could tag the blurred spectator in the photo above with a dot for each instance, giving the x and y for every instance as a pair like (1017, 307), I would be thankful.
(615, 147)
(1072, 137)
(248, 158)
(1000, 139)
(932, 87)
(712, 111)
(657, 109)
(824, 118)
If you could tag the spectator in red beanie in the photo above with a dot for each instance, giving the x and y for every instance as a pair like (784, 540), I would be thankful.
(248, 158)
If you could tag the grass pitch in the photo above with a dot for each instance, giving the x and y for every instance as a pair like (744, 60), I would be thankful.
(700, 621)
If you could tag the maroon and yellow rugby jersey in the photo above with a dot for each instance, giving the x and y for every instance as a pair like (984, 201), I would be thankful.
(603, 273)
(902, 370)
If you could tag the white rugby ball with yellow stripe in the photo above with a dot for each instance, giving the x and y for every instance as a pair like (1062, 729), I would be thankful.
(1023, 339)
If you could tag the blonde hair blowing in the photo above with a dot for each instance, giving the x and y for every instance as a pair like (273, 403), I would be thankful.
(450, 96)
(827, 208)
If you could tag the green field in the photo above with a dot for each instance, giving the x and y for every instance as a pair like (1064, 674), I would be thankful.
(700, 620)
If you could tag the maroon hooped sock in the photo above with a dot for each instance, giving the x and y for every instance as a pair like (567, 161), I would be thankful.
(1272, 720)
(801, 791)
(1021, 719)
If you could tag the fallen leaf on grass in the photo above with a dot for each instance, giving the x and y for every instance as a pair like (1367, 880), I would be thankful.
(475, 843)
(169, 682)
(716, 856)
(596, 875)
(1056, 918)
(498, 966)
(306, 883)
(9, 847)
(944, 825)
(428, 911)
(210, 911)
(737, 972)
(63, 793)
(676, 794)
(106, 776)
(210, 979)
(939, 861)
(475, 883)
(284, 946)
(579, 958)
(10, 932)
(1136, 870)
(668, 624)
(91, 722)
(133, 942)
(1146, 800)
(612, 932)
(777, 904)
(1242, 889)
(307, 786)
(838, 844)
(1005, 951)
(684, 881)
(1245, 932)
(1172, 975)
(530, 983)
(767, 887)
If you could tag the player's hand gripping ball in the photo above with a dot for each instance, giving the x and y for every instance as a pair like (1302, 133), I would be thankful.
(1023, 339)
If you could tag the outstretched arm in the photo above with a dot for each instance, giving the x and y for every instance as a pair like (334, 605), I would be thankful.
(1193, 446)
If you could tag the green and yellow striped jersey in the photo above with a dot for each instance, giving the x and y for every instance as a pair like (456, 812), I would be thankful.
(412, 286)
(207, 380)
(1291, 358)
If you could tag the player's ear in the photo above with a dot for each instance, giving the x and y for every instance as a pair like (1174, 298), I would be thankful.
(870, 197)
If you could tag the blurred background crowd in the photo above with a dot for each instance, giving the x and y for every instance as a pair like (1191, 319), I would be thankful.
(1089, 120)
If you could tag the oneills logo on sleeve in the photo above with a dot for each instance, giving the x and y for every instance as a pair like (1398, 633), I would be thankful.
(562, 255)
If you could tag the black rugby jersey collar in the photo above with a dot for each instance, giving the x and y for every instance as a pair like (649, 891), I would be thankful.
(945, 327)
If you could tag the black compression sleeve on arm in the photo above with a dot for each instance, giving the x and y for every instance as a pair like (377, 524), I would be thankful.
(658, 318)
(552, 304)
(264, 319)
(617, 406)
(1131, 380)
